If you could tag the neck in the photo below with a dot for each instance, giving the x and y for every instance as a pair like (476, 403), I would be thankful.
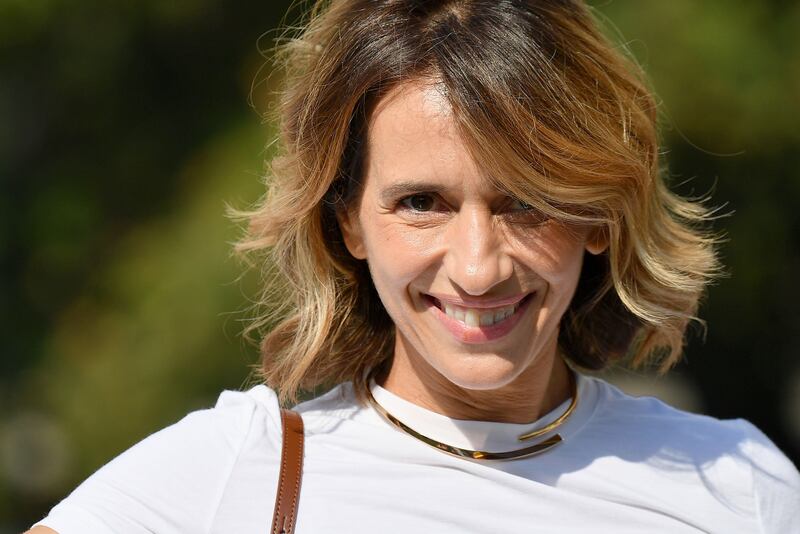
(538, 389)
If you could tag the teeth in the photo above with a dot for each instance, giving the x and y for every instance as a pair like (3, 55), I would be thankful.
(476, 317)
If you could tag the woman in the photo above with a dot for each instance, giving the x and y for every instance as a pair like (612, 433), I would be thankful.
(467, 212)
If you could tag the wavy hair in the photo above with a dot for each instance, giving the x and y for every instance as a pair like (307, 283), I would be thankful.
(557, 115)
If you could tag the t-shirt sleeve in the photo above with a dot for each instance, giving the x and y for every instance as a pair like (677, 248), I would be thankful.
(776, 483)
(172, 481)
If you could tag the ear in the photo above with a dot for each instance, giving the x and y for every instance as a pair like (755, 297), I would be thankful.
(350, 225)
(597, 240)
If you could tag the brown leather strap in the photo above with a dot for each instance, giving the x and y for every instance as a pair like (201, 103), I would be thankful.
(283, 520)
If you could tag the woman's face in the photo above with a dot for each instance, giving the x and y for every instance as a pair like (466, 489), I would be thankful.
(475, 281)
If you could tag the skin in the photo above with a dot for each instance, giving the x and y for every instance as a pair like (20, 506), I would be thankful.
(428, 222)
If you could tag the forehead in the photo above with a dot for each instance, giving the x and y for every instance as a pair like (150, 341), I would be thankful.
(412, 133)
(411, 107)
(422, 99)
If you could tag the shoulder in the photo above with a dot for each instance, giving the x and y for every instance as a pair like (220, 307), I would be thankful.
(324, 414)
(339, 401)
(732, 458)
(220, 432)
(175, 476)
(775, 479)
(236, 415)
(683, 432)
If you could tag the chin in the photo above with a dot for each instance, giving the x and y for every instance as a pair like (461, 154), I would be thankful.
(480, 373)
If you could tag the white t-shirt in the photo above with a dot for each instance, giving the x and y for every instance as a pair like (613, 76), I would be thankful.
(626, 465)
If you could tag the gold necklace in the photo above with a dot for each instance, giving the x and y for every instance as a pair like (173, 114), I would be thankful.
(531, 450)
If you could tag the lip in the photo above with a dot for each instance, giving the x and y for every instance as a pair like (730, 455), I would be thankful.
(480, 334)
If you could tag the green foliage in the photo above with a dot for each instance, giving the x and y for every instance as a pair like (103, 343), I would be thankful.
(125, 129)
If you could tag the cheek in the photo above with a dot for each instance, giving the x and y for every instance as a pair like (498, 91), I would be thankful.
(397, 255)
(556, 255)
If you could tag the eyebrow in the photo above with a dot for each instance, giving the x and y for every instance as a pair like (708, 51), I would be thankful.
(401, 189)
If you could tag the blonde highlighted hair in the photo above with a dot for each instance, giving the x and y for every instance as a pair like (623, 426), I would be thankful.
(556, 116)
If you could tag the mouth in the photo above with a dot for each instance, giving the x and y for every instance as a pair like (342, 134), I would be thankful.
(479, 324)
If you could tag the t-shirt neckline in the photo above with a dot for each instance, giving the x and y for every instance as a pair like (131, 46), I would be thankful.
(486, 435)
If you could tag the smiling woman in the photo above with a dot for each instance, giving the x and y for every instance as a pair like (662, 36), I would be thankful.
(458, 264)
(466, 215)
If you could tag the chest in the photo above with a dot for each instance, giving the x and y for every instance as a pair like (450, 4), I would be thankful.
(359, 491)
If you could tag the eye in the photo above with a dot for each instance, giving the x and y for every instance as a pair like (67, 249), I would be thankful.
(518, 205)
(419, 202)
(524, 213)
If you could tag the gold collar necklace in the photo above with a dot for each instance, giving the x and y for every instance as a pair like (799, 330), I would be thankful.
(531, 450)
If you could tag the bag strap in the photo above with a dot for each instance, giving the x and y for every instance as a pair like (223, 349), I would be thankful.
(283, 519)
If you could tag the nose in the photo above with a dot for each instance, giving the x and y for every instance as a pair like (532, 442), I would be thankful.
(475, 260)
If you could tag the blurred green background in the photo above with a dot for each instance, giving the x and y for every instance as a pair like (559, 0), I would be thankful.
(125, 128)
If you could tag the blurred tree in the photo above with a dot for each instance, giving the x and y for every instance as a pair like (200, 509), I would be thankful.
(125, 127)
(729, 79)
(123, 133)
